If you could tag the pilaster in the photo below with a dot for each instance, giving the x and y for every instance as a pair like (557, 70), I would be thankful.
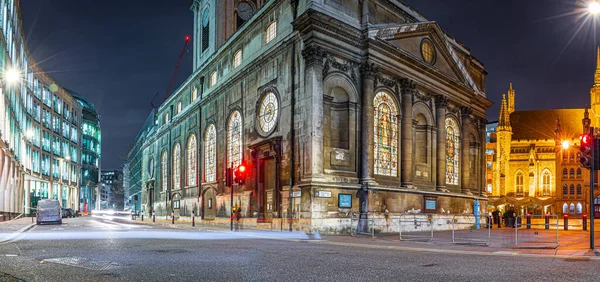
(407, 147)
(465, 149)
(441, 102)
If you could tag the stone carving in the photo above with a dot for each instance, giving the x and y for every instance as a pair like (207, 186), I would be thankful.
(368, 70)
(313, 54)
(465, 111)
(422, 97)
(441, 101)
(346, 67)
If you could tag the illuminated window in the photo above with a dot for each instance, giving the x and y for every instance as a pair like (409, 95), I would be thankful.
(572, 173)
(234, 144)
(194, 94)
(166, 118)
(453, 152)
(268, 112)
(519, 184)
(237, 59)
(579, 208)
(177, 167)
(428, 51)
(213, 79)
(210, 157)
(179, 107)
(546, 183)
(164, 165)
(271, 32)
(386, 135)
(572, 208)
(565, 173)
(565, 207)
(192, 153)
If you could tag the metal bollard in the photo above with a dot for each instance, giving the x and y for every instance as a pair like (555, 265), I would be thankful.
(566, 216)
(193, 220)
(490, 222)
(153, 216)
(547, 221)
(172, 218)
(499, 221)
(585, 222)
(142, 216)
(528, 221)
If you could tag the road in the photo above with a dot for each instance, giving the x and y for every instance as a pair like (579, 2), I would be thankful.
(93, 249)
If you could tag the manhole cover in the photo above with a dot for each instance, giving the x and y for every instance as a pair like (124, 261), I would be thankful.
(84, 263)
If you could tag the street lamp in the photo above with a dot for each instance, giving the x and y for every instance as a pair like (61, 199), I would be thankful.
(565, 144)
(12, 76)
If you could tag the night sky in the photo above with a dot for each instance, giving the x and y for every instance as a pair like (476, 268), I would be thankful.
(119, 54)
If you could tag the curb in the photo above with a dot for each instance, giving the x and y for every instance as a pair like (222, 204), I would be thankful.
(17, 233)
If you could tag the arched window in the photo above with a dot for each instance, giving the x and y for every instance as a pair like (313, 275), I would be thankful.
(271, 32)
(565, 189)
(572, 189)
(164, 164)
(578, 189)
(234, 142)
(385, 159)
(565, 155)
(210, 157)
(572, 208)
(192, 161)
(565, 173)
(237, 59)
(565, 207)
(453, 152)
(179, 107)
(572, 157)
(166, 118)
(572, 173)
(546, 183)
(177, 167)
(213, 78)
(578, 172)
(519, 183)
(579, 208)
(205, 29)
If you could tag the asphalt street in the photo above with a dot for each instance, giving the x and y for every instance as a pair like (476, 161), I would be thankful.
(98, 249)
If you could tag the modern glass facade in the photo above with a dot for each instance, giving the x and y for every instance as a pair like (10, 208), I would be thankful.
(39, 126)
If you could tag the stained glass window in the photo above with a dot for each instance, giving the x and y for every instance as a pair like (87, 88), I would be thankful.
(268, 113)
(546, 183)
(177, 167)
(210, 157)
(164, 165)
(192, 158)
(234, 134)
(452, 152)
(386, 135)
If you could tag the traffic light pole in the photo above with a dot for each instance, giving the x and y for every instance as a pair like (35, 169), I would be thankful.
(592, 172)
(231, 204)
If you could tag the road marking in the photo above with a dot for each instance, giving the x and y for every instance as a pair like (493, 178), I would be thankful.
(10, 255)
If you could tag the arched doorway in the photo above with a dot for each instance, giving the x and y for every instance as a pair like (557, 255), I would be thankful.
(209, 204)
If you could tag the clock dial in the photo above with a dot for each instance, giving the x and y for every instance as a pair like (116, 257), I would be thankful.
(245, 11)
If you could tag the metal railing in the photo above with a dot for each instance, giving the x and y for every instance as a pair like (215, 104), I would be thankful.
(542, 235)
(415, 227)
(469, 229)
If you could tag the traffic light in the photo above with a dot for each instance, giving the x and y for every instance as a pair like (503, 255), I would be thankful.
(241, 173)
(229, 177)
(585, 150)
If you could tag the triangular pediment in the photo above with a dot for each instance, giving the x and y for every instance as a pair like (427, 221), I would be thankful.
(448, 58)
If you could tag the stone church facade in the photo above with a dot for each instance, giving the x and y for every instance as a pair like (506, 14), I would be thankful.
(321, 99)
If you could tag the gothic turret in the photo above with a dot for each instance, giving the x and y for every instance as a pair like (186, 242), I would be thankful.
(595, 93)
(504, 119)
(586, 121)
(511, 99)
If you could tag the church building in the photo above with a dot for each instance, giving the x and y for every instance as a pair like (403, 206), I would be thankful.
(321, 99)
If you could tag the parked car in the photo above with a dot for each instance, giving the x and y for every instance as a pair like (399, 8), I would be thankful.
(68, 213)
(48, 210)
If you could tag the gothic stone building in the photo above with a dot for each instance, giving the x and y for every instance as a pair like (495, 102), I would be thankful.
(532, 163)
(320, 98)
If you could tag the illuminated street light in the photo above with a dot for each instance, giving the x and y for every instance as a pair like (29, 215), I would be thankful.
(565, 144)
(594, 8)
(12, 76)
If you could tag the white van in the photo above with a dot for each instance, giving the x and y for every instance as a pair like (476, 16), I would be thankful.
(48, 210)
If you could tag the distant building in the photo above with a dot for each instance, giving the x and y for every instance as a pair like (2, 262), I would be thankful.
(132, 169)
(112, 193)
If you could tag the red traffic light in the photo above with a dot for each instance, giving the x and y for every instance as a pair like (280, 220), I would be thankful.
(585, 139)
(242, 168)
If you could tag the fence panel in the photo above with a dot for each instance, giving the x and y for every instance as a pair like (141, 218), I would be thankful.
(370, 224)
(469, 229)
(537, 233)
(415, 227)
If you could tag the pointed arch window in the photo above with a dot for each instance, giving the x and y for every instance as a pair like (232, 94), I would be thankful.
(210, 157)
(164, 164)
(546, 183)
(234, 144)
(565, 189)
(565, 173)
(177, 167)
(192, 161)
(386, 135)
(572, 173)
(519, 184)
(572, 189)
(578, 172)
(453, 152)
(579, 208)
(565, 207)
(578, 189)
(572, 208)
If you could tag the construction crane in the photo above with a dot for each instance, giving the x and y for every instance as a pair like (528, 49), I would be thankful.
(187, 41)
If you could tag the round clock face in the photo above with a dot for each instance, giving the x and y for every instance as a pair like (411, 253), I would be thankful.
(268, 112)
(245, 11)
(205, 18)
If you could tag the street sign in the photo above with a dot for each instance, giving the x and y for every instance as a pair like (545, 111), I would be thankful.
(323, 194)
(296, 194)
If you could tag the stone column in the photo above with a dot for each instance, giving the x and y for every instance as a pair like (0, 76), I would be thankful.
(368, 71)
(407, 126)
(465, 149)
(441, 102)
(313, 87)
(482, 166)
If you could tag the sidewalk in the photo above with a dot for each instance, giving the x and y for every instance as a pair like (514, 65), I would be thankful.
(10, 229)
